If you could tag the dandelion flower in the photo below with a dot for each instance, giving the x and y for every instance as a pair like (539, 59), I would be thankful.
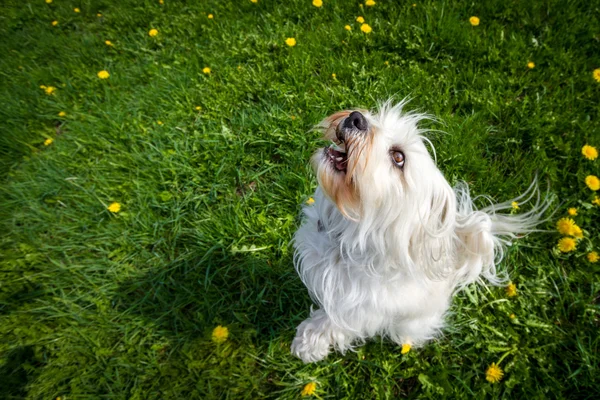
(198, 108)
(577, 232)
(370, 3)
(48, 1)
(98, 15)
(405, 348)
(76, 9)
(511, 290)
(309, 389)
(387, 63)
(348, 27)
(54, 23)
(159, 122)
(593, 257)
(114, 207)
(317, 3)
(161, 2)
(474, 21)
(494, 373)
(254, 1)
(592, 182)
(514, 205)
(565, 226)
(48, 142)
(596, 201)
(62, 114)
(360, 20)
(103, 74)
(42, 86)
(572, 211)
(108, 43)
(365, 28)
(589, 152)
(50, 90)
(414, 4)
(567, 244)
(153, 32)
(334, 76)
(220, 334)
(206, 70)
(210, 16)
(596, 74)
(512, 316)
(310, 201)
(290, 42)
(531, 65)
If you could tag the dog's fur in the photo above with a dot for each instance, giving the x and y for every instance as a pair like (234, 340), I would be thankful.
(383, 248)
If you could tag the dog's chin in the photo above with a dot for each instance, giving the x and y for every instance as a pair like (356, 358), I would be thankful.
(331, 167)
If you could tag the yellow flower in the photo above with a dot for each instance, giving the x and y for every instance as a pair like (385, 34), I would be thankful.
(159, 122)
(62, 114)
(290, 41)
(254, 1)
(98, 15)
(198, 108)
(577, 232)
(370, 3)
(360, 20)
(565, 226)
(567, 244)
(514, 205)
(334, 76)
(589, 152)
(48, 142)
(309, 389)
(365, 28)
(494, 373)
(572, 211)
(54, 23)
(593, 257)
(474, 21)
(405, 348)
(103, 74)
(220, 334)
(210, 16)
(108, 43)
(76, 9)
(348, 27)
(592, 182)
(387, 63)
(596, 74)
(414, 4)
(531, 65)
(48, 1)
(596, 201)
(114, 207)
(310, 201)
(318, 3)
(50, 90)
(161, 2)
(206, 70)
(153, 32)
(512, 316)
(511, 290)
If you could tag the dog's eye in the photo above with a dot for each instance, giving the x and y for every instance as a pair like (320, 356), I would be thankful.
(398, 158)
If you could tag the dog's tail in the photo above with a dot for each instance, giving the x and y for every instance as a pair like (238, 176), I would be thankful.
(484, 234)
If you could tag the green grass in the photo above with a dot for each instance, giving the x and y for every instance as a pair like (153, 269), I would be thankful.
(101, 305)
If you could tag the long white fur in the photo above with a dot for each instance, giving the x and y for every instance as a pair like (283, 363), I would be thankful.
(392, 267)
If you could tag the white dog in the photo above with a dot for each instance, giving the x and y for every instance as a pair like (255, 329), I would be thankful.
(388, 241)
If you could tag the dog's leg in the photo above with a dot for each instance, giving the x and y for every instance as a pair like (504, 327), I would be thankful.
(316, 336)
(418, 330)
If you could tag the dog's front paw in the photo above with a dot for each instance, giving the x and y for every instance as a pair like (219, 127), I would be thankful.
(311, 343)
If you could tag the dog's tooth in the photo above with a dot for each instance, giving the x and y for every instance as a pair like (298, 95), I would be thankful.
(339, 158)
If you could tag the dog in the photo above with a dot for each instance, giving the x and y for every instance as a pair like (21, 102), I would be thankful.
(387, 241)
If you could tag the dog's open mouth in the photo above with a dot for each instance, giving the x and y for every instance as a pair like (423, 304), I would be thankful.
(337, 157)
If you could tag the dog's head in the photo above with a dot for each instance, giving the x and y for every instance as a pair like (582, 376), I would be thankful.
(379, 162)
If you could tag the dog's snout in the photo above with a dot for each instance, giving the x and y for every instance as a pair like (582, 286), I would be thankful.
(356, 121)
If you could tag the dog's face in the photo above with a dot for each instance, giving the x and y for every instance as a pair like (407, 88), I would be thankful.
(376, 160)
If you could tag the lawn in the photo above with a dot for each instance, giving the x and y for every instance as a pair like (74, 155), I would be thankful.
(195, 119)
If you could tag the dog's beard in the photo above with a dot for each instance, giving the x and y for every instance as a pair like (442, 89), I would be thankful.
(339, 165)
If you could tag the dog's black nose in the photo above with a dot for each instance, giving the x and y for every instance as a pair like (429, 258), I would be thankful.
(356, 121)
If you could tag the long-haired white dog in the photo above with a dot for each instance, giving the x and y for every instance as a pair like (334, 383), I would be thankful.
(388, 240)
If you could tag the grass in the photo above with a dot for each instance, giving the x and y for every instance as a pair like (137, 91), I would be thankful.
(101, 305)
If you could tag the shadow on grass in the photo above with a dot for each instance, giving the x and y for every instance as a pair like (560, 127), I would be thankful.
(199, 291)
(19, 369)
